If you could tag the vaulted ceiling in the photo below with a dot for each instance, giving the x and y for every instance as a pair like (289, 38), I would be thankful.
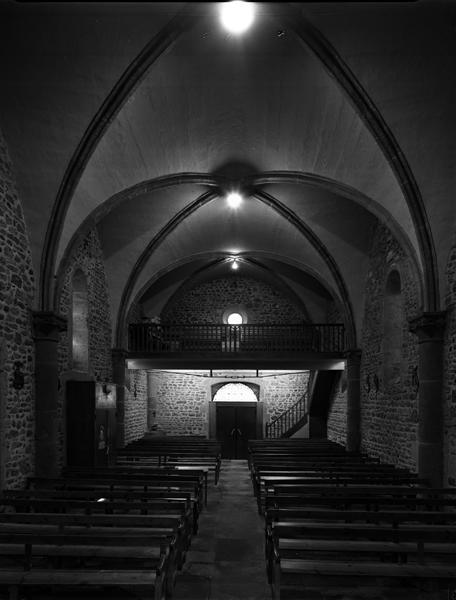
(137, 118)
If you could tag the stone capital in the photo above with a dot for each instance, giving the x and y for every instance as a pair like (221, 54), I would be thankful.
(48, 325)
(428, 326)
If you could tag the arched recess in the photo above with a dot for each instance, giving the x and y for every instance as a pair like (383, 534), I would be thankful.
(218, 257)
(235, 392)
(285, 213)
(293, 19)
(276, 280)
(393, 319)
(79, 333)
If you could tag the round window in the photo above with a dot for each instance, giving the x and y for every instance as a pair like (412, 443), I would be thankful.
(235, 319)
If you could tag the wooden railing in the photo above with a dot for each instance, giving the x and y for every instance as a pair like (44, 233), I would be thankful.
(147, 338)
(288, 419)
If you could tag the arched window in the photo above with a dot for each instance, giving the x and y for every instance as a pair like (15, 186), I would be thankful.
(79, 327)
(235, 392)
(393, 329)
(235, 314)
(235, 319)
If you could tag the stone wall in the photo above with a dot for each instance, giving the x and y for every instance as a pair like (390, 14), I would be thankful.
(182, 398)
(281, 391)
(207, 302)
(86, 257)
(135, 418)
(389, 407)
(181, 402)
(17, 406)
(337, 417)
(449, 386)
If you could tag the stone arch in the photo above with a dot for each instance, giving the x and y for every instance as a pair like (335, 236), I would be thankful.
(335, 66)
(393, 328)
(79, 338)
(235, 391)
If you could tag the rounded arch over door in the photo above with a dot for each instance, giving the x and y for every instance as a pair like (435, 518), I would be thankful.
(235, 392)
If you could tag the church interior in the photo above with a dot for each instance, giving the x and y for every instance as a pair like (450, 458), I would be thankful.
(228, 300)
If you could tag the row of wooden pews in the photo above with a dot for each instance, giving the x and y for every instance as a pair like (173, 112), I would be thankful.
(339, 520)
(103, 532)
(180, 452)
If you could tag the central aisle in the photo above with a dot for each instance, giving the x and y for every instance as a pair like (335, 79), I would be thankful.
(226, 560)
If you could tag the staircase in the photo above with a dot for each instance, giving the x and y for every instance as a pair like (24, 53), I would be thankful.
(289, 421)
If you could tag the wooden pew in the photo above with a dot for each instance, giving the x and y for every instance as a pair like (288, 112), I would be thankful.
(171, 474)
(156, 495)
(374, 479)
(103, 506)
(400, 539)
(312, 574)
(169, 525)
(120, 483)
(176, 451)
(341, 518)
(172, 460)
(47, 561)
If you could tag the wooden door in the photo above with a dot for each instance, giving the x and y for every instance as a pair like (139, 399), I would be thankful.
(235, 425)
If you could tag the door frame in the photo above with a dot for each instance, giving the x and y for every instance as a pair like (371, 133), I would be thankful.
(213, 416)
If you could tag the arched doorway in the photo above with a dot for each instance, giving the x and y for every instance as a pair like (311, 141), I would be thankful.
(238, 417)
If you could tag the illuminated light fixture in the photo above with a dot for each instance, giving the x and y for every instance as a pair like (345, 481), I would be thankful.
(235, 264)
(236, 17)
(234, 199)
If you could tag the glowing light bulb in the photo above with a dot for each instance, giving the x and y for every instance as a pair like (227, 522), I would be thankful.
(234, 200)
(235, 265)
(237, 16)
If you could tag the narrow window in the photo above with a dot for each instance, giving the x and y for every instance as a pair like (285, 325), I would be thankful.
(80, 330)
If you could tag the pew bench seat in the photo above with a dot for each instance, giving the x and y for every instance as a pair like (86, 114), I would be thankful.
(318, 574)
(150, 581)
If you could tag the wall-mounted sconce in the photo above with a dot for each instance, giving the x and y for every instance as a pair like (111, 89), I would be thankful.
(18, 376)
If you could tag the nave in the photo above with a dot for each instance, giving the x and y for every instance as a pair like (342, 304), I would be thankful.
(326, 524)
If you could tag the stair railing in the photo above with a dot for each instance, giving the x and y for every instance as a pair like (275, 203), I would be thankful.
(278, 427)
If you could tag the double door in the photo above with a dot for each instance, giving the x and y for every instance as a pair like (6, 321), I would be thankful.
(235, 425)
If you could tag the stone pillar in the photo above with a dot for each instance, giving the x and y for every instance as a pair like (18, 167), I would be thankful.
(151, 401)
(353, 358)
(429, 327)
(47, 327)
(119, 356)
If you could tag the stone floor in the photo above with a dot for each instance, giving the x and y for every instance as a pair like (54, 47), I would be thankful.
(226, 560)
